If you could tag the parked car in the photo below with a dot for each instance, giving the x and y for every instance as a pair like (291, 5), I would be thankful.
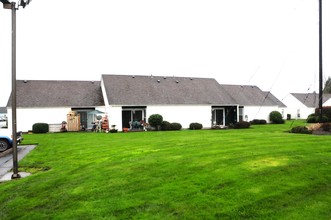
(6, 140)
(3, 122)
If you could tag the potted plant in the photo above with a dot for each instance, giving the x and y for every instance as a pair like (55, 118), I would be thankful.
(113, 129)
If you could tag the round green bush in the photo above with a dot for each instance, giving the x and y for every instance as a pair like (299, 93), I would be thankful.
(175, 126)
(155, 120)
(311, 119)
(195, 126)
(40, 128)
(165, 126)
(276, 117)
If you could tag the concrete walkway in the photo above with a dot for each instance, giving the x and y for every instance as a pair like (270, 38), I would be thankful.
(6, 161)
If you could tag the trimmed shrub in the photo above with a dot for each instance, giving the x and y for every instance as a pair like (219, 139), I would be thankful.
(165, 126)
(300, 130)
(155, 120)
(195, 126)
(311, 119)
(323, 119)
(241, 125)
(326, 112)
(40, 128)
(258, 122)
(276, 117)
(175, 126)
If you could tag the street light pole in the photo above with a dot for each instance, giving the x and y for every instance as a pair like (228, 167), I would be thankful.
(15, 175)
(320, 103)
(12, 5)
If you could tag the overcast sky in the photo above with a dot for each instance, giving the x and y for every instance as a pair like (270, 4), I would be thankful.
(269, 43)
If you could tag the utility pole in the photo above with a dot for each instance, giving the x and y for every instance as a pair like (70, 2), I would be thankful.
(12, 5)
(320, 106)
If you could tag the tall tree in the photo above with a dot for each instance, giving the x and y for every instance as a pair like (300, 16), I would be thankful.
(327, 85)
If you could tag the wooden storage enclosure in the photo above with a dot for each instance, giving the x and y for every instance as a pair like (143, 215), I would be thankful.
(73, 121)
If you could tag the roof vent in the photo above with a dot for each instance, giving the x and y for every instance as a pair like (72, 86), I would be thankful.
(92, 82)
(177, 81)
(164, 77)
(25, 81)
(191, 78)
(133, 76)
(158, 81)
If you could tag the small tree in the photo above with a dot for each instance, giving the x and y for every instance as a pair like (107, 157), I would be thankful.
(327, 86)
(276, 118)
(155, 121)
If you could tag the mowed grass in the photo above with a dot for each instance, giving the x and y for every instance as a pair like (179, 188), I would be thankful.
(257, 173)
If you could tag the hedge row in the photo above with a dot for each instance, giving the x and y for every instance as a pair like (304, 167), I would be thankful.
(313, 118)
(258, 122)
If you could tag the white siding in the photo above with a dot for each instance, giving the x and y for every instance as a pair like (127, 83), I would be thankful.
(257, 112)
(183, 114)
(296, 108)
(104, 94)
(115, 116)
(327, 102)
(26, 117)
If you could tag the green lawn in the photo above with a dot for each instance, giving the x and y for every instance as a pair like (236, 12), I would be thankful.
(257, 173)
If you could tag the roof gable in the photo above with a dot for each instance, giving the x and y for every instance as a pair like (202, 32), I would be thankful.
(43, 93)
(251, 96)
(154, 90)
(273, 99)
(311, 100)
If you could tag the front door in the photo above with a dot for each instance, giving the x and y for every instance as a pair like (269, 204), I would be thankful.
(218, 116)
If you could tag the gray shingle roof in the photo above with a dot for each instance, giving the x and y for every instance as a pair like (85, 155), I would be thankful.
(3, 110)
(43, 93)
(147, 90)
(311, 100)
(251, 96)
(273, 99)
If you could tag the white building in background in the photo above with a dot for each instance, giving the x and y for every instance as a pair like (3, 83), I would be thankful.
(178, 99)
(127, 99)
(255, 103)
(45, 101)
(301, 105)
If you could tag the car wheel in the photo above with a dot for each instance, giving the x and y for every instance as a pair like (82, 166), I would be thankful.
(4, 145)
